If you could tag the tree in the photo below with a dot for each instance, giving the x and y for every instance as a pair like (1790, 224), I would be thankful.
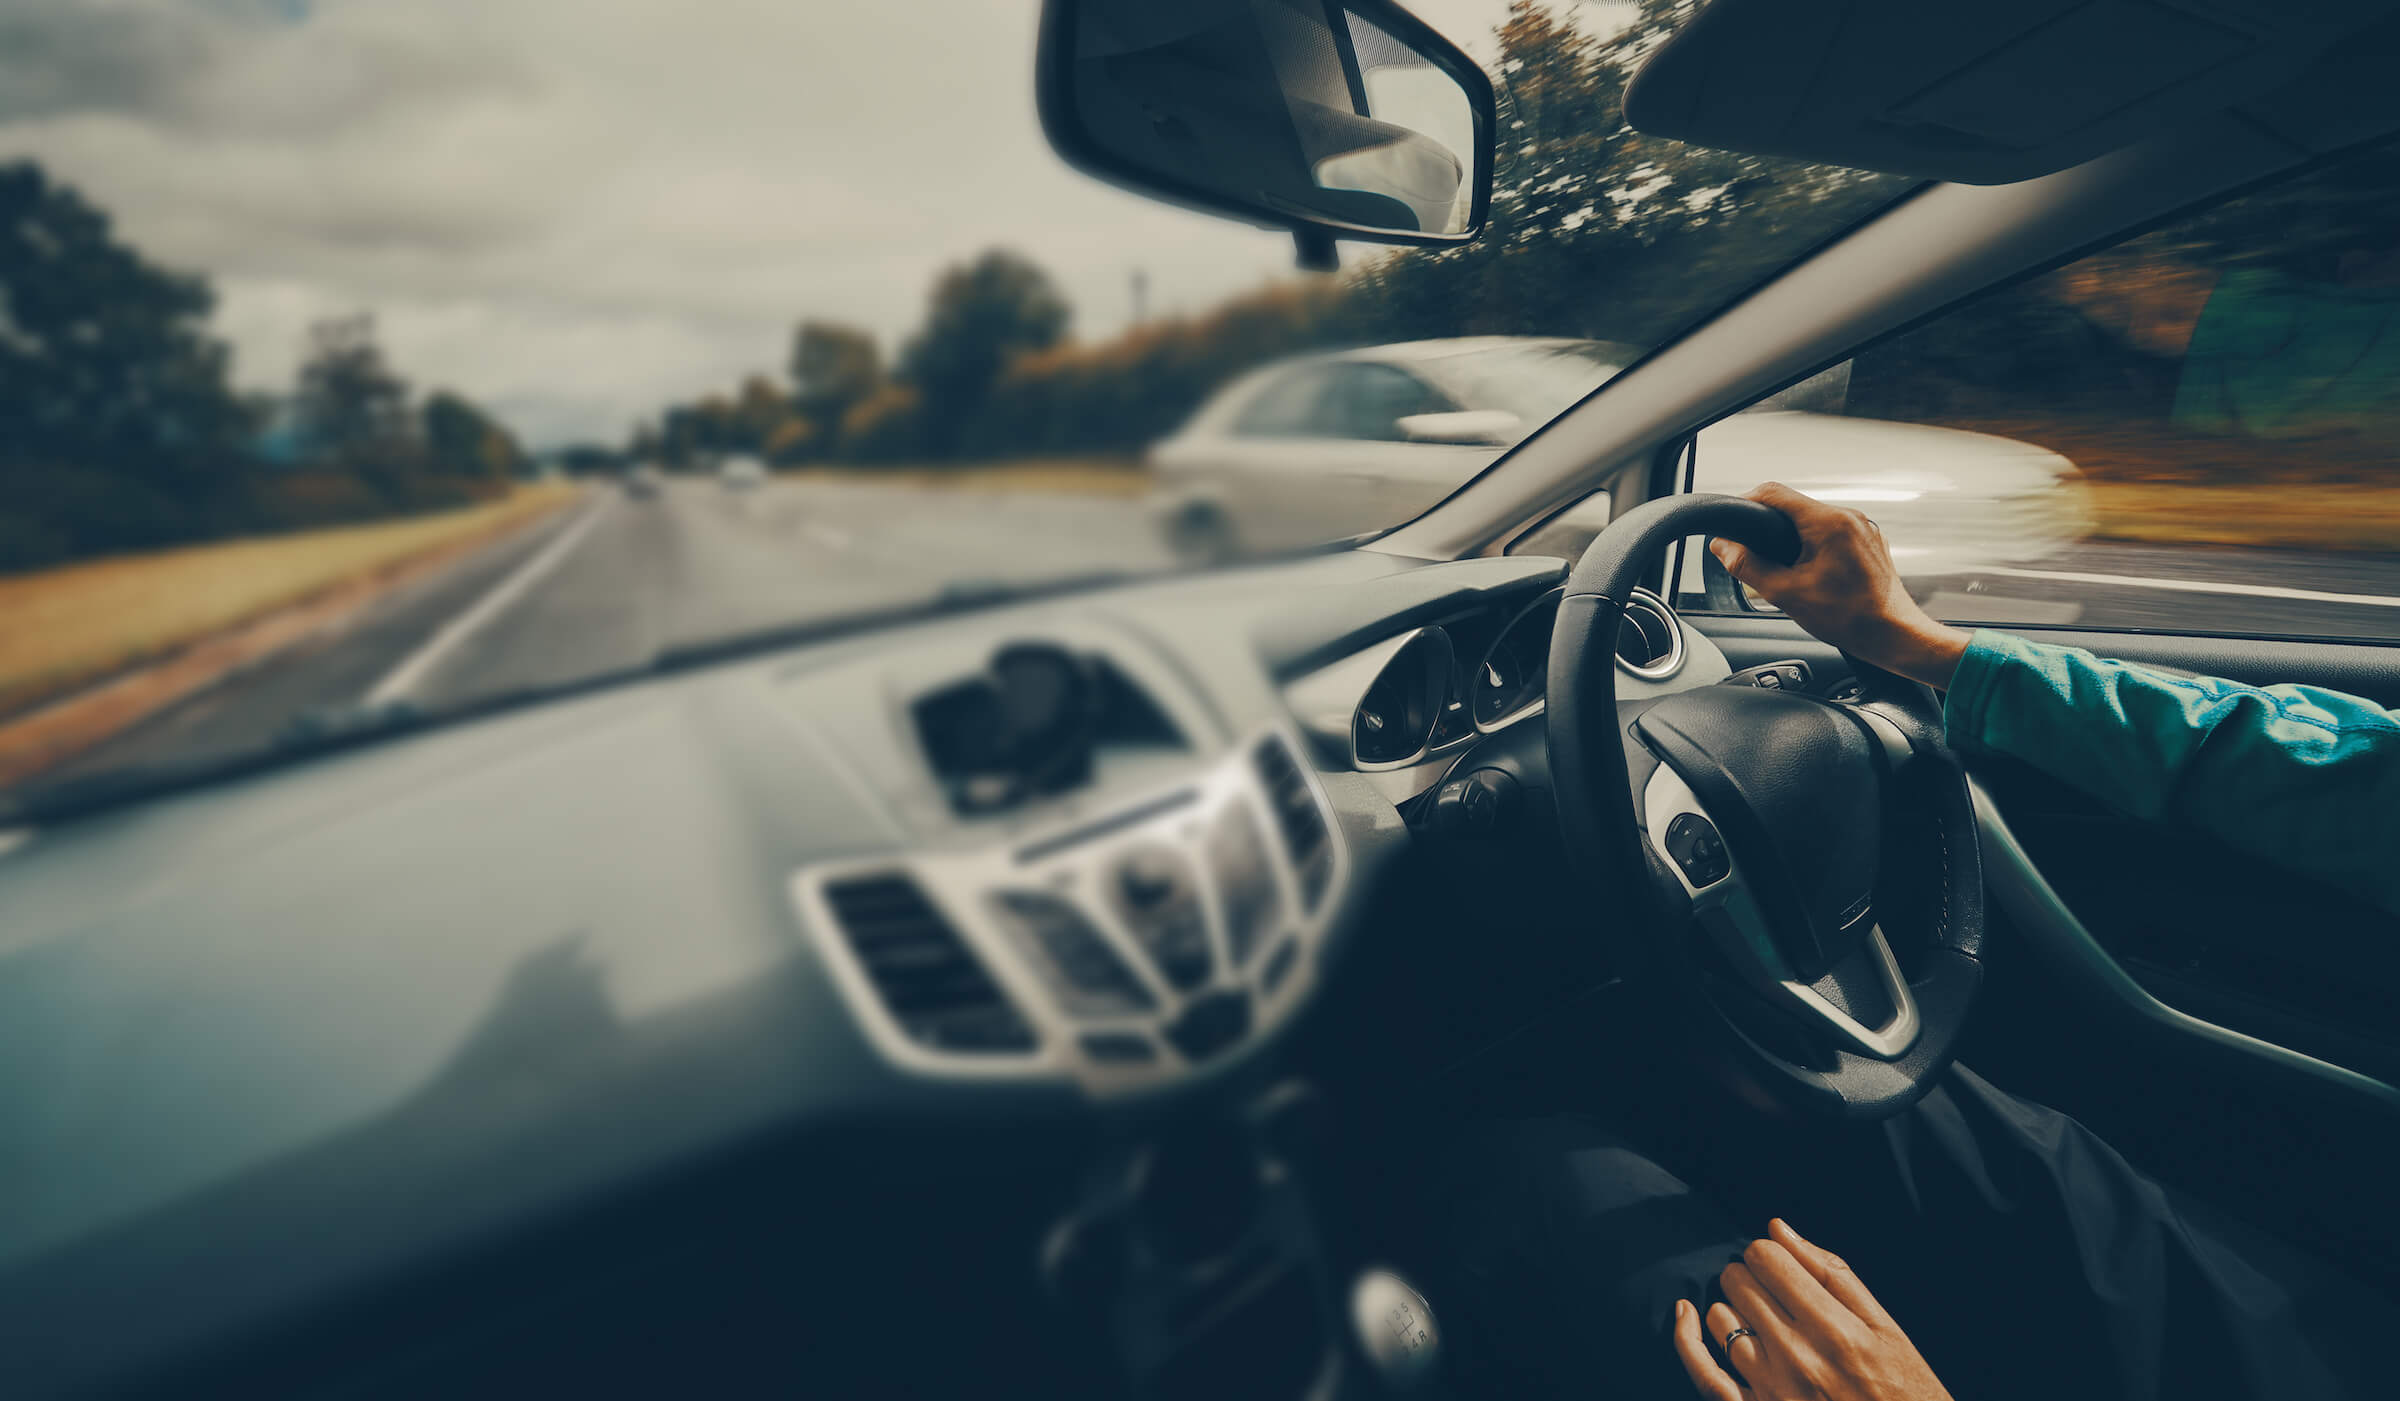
(793, 441)
(591, 460)
(981, 315)
(757, 414)
(118, 426)
(353, 409)
(834, 366)
(689, 434)
(886, 426)
(1599, 230)
(461, 440)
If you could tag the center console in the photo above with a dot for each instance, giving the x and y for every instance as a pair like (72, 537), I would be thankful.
(1195, 1259)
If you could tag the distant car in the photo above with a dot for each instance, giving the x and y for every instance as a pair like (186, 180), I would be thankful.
(741, 473)
(1337, 444)
(642, 483)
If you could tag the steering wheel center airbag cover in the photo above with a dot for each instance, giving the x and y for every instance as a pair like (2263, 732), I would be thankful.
(1794, 784)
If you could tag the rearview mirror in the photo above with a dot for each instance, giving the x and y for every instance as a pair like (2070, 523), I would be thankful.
(1345, 118)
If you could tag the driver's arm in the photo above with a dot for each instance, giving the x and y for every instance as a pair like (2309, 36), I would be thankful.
(2306, 778)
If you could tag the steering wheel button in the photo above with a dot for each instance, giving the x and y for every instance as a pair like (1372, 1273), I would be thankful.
(1693, 845)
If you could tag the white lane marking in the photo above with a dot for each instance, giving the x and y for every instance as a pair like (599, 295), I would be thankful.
(2365, 600)
(403, 680)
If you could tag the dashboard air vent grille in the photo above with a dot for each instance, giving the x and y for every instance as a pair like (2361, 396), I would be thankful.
(1297, 815)
(934, 986)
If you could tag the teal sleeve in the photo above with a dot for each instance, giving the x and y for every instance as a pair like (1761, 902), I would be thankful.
(2304, 777)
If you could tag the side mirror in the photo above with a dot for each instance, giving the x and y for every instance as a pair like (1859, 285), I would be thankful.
(1332, 118)
(1470, 427)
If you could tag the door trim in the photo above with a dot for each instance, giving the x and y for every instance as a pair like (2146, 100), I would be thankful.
(2044, 921)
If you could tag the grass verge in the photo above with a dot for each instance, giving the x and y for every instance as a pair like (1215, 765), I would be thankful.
(2154, 483)
(2346, 516)
(73, 625)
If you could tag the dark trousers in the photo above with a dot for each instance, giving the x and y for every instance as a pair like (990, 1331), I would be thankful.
(2025, 1257)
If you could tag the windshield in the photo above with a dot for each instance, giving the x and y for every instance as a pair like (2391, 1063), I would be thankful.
(365, 361)
(1535, 380)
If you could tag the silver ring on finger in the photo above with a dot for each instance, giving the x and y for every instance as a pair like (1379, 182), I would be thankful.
(1745, 1331)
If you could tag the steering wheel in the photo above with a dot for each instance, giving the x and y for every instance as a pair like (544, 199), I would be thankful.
(1814, 889)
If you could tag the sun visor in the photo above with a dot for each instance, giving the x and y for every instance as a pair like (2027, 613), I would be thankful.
(1988, 93)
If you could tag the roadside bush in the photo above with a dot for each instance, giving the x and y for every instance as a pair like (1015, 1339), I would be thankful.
(791, 441)
(887, 426)
(307, 499)
(1119, 394)
(61, 512)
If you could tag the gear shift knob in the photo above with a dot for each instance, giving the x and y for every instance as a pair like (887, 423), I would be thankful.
(1395, 1330)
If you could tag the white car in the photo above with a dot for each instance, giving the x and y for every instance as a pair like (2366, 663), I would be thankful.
(741, 472)
(1337, 444)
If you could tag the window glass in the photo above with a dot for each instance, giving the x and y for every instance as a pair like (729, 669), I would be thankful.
(1299, 404)
(1537, 380)
(1374, 398)
(2193, 430)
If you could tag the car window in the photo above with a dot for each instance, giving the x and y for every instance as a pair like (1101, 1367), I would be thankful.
(2196, 429)
(1300, 403)
(1374, 398)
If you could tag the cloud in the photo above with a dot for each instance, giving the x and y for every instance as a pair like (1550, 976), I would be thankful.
(580, 209)
(58, 57)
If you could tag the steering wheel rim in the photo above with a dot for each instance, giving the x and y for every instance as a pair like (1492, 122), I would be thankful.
(1774, 955)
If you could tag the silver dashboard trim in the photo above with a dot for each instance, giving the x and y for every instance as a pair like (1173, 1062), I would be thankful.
(1667, 796)
(1327, 700)
(960, 882)
(1550, 598)
(1673, 662)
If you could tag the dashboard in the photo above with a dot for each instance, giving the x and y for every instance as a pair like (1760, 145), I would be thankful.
(1404, 710)
(323, 1027)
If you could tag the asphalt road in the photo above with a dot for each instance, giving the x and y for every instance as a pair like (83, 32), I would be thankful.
(614, 580)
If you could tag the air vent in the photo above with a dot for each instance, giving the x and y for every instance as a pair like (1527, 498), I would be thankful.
(1649, 639)
(1297, 816)
(928, 978)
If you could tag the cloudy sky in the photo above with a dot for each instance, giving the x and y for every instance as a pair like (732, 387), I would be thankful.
(579, 210)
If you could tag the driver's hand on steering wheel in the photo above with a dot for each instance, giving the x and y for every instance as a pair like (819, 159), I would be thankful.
(1845, 589)
(1804, 1328)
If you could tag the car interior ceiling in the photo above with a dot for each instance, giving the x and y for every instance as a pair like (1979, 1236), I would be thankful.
(880, 1251)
